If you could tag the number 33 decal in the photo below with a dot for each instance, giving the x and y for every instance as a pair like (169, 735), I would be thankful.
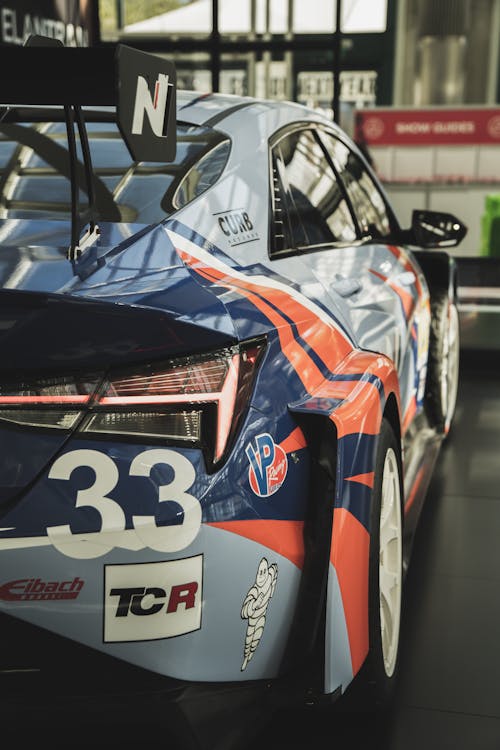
(113, 533)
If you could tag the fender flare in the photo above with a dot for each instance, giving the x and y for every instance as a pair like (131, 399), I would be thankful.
(341, 422)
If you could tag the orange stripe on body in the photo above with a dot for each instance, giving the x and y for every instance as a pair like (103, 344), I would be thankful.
(406, 298)
(395, 250)
(353, 414)
(304, 365)
(350, 556)
(361, 411)
(367, 479)
(284, 537)
(294, 442)
(360, 408)
(324, 338)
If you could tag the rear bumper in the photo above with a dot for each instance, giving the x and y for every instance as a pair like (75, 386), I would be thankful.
(58, 685)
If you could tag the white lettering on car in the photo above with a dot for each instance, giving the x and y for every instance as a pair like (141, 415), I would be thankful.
(154, 106)
(113, 531)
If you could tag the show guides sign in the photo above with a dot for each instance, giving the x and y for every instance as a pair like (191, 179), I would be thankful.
(74, 22)
(438, 126)
(432, 145)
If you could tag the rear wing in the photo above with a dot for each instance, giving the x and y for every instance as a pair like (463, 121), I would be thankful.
(141, 86)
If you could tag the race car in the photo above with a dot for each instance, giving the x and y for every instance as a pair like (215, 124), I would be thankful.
(227, 372)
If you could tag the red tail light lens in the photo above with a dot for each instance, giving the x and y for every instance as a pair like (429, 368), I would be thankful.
(198, 400)
(197, 378)
(48, 391)
(46, 402)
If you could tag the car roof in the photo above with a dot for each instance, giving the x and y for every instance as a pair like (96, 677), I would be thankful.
(213, 110)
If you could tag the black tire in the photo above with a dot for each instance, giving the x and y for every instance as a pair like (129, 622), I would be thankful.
(373, 687)
(443, 363)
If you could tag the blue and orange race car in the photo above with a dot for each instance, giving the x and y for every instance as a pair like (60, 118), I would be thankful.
(226, 375)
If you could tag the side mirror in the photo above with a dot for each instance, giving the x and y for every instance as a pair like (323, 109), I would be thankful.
(436, 229)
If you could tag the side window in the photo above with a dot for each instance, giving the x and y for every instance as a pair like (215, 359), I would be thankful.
(367, 201)
(310, 207)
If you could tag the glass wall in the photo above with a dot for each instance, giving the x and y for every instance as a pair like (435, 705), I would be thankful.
(277, 49)
(242, 17)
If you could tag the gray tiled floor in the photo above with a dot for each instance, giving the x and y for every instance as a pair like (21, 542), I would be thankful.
(449, 690)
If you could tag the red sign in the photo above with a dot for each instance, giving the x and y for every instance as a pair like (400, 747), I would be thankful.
(428, 127)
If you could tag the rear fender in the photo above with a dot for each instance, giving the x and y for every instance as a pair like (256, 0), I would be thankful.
(353, 401)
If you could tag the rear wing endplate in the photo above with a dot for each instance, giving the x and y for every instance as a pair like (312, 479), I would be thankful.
(140, 85)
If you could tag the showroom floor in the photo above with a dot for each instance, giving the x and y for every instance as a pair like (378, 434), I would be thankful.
(449, 692)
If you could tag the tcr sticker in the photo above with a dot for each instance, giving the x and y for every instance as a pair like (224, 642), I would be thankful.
(268, 465)
(149, 601)
(255, 607)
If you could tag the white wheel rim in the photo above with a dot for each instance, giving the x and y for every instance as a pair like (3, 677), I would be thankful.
(449, 374)
(390, 568)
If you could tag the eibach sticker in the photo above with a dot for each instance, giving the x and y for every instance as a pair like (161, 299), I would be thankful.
(268, 465)
(36, 589)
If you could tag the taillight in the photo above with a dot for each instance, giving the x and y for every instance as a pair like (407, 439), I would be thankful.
(47, 402)
(196, 400)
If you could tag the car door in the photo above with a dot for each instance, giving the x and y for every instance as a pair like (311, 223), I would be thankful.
(329, 213)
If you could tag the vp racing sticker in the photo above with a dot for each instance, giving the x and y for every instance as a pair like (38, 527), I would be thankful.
(150, 601)
(113, 531)
(268, 465)
(255, 606)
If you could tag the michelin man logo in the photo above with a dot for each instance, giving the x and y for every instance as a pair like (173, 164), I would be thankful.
(255, 607)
